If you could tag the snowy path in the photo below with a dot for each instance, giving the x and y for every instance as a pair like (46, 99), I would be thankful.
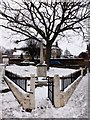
(77, 106)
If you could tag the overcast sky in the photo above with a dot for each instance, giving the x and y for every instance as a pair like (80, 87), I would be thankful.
(74, 44)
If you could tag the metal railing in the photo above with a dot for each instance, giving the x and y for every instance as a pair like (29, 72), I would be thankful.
(65, 81)
(51, 90)
(20, 81)
(84, 71)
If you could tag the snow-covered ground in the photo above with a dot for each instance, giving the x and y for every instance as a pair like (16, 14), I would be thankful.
(77, 106)
(25, 71)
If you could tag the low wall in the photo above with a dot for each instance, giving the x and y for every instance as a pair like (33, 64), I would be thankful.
(66, 94)
(62, 97)
(27, 100)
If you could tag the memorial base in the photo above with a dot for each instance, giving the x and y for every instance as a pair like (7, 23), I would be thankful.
(41, 70)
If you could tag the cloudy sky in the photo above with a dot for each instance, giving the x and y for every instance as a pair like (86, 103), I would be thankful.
(74, 43)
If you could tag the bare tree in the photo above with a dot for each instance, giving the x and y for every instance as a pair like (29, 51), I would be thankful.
(32, 48)
(45, 21)
(88, 49)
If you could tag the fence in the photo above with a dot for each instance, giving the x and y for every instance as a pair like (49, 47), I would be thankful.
(56, 84)
(27, 98)
(84, 71)
(20, 81)
(51, 90)
(65, 81)
(56, 87)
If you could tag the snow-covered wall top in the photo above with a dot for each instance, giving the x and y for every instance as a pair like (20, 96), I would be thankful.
(25, 71)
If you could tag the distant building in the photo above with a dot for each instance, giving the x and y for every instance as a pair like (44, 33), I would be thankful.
(55, 51)
(67, 54)
(9, 52)
(17, 53)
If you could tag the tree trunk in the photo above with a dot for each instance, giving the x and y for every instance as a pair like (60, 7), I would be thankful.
(48, 55)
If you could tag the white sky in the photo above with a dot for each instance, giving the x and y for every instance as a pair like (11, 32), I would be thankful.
(75, 46)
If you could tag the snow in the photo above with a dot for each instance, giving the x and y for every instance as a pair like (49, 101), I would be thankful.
(77, 106)
(26, 71)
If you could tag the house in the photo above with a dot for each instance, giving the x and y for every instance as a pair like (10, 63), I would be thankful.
(9, 52)
(55, 51)
(17, 54)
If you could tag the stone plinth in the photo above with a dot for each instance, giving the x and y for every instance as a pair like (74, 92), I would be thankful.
(41, 70)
